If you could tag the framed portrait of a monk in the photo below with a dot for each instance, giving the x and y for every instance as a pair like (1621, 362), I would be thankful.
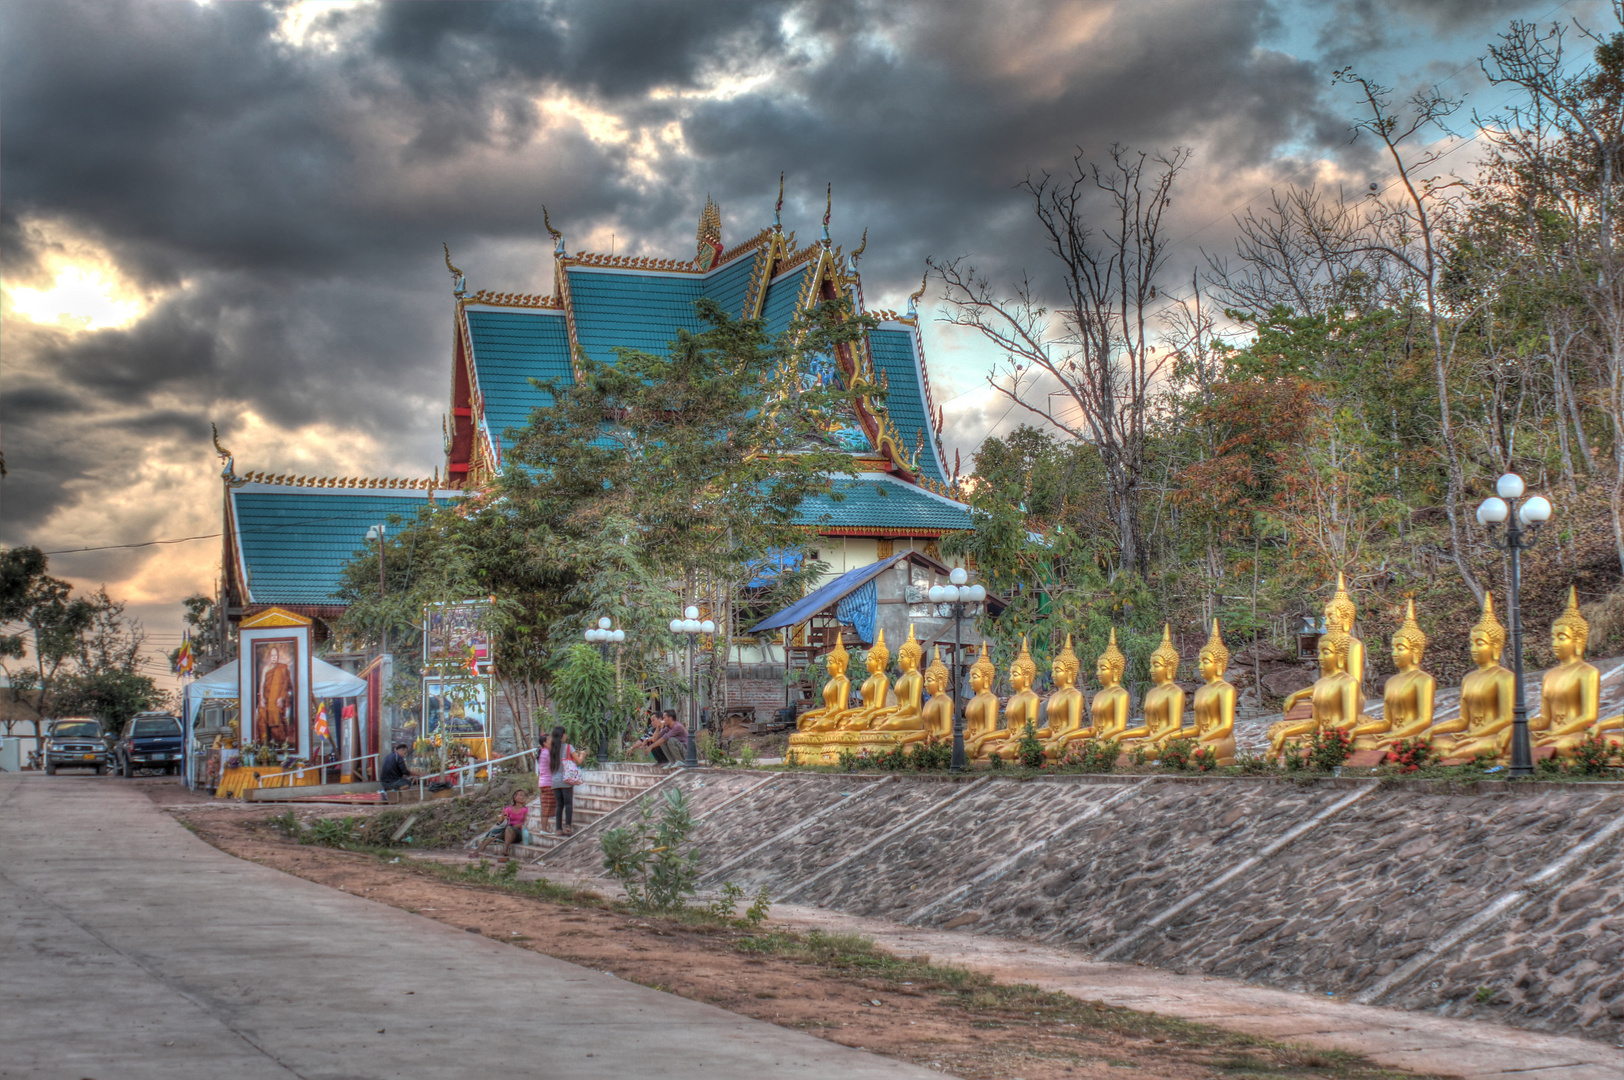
(275, 708)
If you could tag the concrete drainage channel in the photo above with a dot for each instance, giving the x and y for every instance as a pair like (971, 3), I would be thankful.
(1493, 901)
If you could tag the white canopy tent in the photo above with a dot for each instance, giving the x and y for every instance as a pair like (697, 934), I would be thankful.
(328, 682)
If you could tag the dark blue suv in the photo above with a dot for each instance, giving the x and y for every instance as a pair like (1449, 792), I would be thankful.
(149, 741)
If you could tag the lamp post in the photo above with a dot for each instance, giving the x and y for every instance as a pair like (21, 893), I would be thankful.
(1522, 523)
(602, 635)
(690, 626)
(961, 595)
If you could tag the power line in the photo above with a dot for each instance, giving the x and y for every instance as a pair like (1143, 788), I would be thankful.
(204, 536)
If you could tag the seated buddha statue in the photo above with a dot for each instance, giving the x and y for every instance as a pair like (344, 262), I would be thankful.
(1067, 717)
(1487, 697)
(1109, 709)
(1407, 697)
(1021, 708)
(1214, 704)
(876, 688)
(937, 716)
(906, 718)
(1570, 695)
(836, 693)
(981, 714)
(1340, 613)
(1164, 701)
(1337, 700)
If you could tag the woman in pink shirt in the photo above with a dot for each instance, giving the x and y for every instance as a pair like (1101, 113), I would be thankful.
(510, 826)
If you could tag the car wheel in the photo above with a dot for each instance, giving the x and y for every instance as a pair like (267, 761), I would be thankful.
(50, 770)
(101, 770)
(124, 769)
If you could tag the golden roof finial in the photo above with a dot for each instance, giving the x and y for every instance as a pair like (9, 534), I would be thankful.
(914, 298)
(858, 254)
(558, 237)
(828, 209)
(458, 280)
(778, 207)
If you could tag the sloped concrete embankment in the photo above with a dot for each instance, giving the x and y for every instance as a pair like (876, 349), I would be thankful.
(1494, 901)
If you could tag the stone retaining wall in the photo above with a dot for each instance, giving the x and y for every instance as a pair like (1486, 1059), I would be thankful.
(1493, 900)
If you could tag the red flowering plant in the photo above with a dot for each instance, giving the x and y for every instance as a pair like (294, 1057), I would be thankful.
(1204, 759)
(1411, 755)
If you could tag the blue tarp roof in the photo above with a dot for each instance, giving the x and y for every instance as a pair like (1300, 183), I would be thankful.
(804, 609)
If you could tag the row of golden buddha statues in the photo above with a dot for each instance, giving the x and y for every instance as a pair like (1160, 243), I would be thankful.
(900, 715)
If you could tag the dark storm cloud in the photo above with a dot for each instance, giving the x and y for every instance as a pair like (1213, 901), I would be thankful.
(287, 201)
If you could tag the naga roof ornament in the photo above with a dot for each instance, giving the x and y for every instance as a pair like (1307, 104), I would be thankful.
(459, 283)
(558, 237)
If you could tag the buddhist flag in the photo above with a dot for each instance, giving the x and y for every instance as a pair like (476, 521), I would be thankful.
(184, 659)
(321, 720)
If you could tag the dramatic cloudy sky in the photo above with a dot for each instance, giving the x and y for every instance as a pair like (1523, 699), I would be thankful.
(233, 212)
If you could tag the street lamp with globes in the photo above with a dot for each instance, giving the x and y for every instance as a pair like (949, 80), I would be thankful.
(962, 596)
(603, 635)
(1522, 523)
(691, 627)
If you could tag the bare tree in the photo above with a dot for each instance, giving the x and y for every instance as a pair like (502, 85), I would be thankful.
(1584, 115)
(1095, 354)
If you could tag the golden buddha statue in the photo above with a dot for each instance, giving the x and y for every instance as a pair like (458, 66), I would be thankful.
(1164, 701)
(1340, 613)
(1570, 696)
(1336, 697)
(836, 692)
(1407, 697)
(876, 688)
(981, 714)
(937, 717)
(1023, 705)
(1067, 719)
(1214, 704)
(1487, 697)
(906, 718)
(1109, 709)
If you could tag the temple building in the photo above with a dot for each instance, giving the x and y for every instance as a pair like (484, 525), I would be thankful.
(288, 537)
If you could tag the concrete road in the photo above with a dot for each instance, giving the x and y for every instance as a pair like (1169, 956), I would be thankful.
(131, 949)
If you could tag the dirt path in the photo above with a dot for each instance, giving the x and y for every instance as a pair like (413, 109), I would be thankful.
(837, 989)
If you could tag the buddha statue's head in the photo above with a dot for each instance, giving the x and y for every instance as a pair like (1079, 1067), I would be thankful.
(1023, 670)
(937, 675)
(1065, 667)
(1570, 633)
(1164, 662)
(982, 673)
(1214, 658)
(1488, 636)
(909, 656)
(1333, 651)
(1409, 641)
(1340, 611)
(879, 657)
(838, 659)
(1111, 663)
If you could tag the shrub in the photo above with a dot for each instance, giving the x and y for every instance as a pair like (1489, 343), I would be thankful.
(995, 761)
(933, 753)
(1593, 756)
(649, 860)
(893, 760)
(1204, 759)
(792, 759)
(748, 757)
(723, 907)
(1322, 751)
(1176, 754)
(1254, 765)
(850, 760)
(1029, 751)
(1094, 755)
(1411, 755)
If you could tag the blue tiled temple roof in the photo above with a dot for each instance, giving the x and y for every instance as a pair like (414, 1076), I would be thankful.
(294, 542)
(634, 311)
(782, 294)
(893, 352)
(511, 348)
(884, 502)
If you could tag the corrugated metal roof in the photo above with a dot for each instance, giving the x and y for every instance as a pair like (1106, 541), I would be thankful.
(822, 597)
(510, 349)
(294, 543)
(881, 501)
(893, 352)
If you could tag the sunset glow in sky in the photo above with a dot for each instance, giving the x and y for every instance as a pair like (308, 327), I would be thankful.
(233, 212)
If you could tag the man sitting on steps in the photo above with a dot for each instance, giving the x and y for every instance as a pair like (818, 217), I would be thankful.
(669, 743)
(394, 773)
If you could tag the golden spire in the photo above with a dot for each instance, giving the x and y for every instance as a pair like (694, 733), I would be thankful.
(1113, 658)
(1167, 650)
(879, 647)
(911, 647)
(1068, 663)
(1024, 662)
(1573, 621)
(1490, 625)
(1410, 632)
(1215, 647)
